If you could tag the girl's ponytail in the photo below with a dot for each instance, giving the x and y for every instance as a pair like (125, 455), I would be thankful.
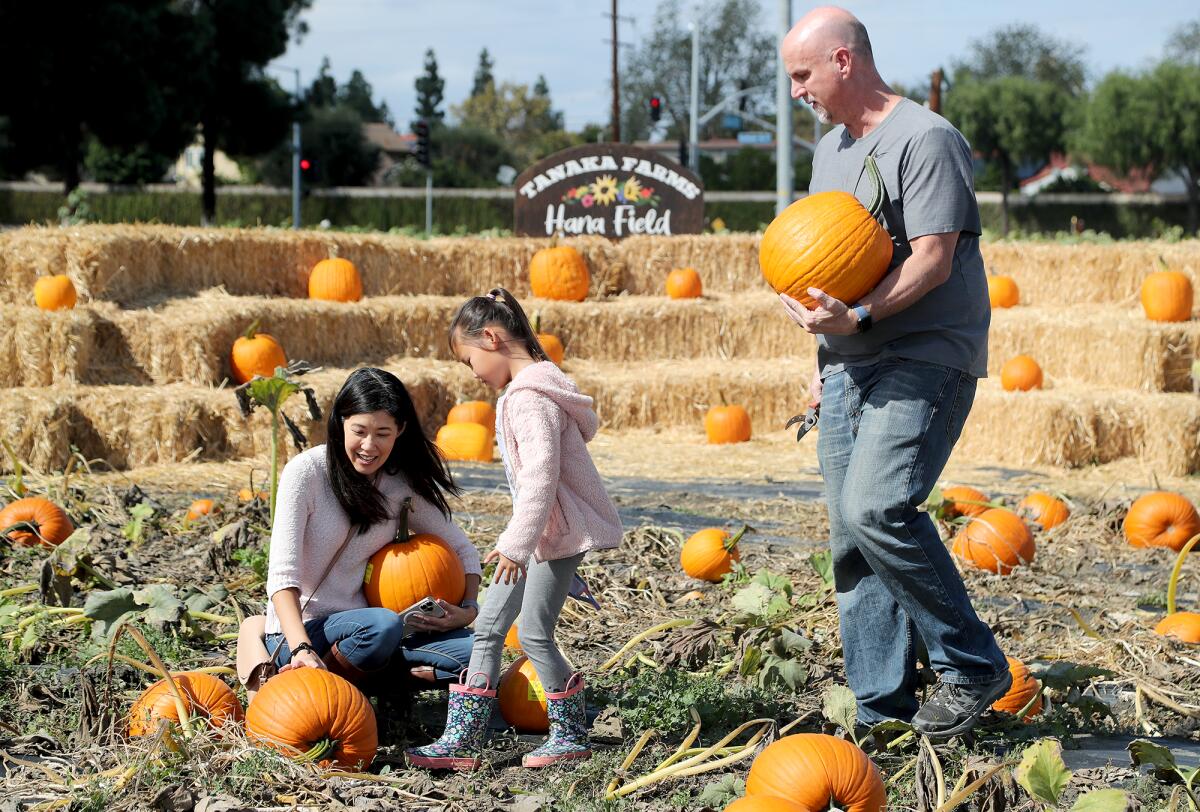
(497, 307)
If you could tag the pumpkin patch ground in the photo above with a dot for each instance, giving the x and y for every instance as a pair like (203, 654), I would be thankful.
(115, 413)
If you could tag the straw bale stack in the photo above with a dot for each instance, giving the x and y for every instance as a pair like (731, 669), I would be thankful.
(42, 348)
(35, 424)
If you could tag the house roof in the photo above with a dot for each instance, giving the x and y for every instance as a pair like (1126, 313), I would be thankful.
(1059, 165)
(382, 135)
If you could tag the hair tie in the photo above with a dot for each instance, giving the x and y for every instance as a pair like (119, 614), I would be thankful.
(491, 296)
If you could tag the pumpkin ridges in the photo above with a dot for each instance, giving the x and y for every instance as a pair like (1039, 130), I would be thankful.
(52, 524)
(1183, 626)
(961, 499)
(297, 708)
(1044, 509)
(203, 695)
(1024, 686)
(813, 769)
(1161, 519)
(1167, 296)
(997, 524)
(336, 280)
(465, 441)
(255, 353)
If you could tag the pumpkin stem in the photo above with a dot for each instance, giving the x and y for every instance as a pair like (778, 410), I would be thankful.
(1178, 568)
(877, 182)
(319, 750)
(402, 534)
(333, 250)
(252, 330)
(536, 322)
(733, 540)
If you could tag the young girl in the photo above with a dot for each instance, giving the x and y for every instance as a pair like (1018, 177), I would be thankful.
(560, 511)
(338, 504)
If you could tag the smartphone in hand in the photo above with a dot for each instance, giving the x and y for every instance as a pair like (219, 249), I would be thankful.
(425, 606)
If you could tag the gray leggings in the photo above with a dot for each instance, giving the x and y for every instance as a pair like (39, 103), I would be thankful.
(538, 598)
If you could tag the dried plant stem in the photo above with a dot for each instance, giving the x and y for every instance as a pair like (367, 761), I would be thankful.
(185, 721)
(637, 638)
(1178, 568)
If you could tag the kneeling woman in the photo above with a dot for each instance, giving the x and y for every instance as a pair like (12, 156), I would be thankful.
(337, 505)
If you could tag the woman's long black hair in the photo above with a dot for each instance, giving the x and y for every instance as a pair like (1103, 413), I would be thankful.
(372, 390)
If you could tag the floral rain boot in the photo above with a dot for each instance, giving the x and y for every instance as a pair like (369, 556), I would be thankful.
(568, 728)
(466, 726)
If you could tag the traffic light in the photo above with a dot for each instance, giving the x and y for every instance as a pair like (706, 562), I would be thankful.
(683, 150)
(421, 128)
(305, 164)
(655, 108)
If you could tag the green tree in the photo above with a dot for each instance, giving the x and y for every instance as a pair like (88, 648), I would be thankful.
(513, 114)
(241, 111)
(132, 166)
(429, 91)
(463, 157)
(334, 143)
(1148, 120)
(1024, 50)
(483, 74)
(552, 119)
(102, 71)
(1009, 120)
(323, 91)
(738, 55)
(1184, 44)
(357, 94)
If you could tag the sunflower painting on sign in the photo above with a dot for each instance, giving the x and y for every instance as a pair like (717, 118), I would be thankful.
(613, 190)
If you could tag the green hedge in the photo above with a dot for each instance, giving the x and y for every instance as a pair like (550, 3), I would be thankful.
(469, 214)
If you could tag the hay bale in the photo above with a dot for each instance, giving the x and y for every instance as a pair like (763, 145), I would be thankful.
(35, 424)
(41, 348)
(726, 262)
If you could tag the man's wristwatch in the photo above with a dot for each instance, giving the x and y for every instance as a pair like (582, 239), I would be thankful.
(864, 317)
(470, 603)
(301, 647)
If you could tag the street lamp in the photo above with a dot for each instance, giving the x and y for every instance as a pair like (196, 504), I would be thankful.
(295, 148)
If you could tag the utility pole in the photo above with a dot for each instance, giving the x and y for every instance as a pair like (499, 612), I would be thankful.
(694, 109)
(616, 90)
(295, 148)
(783, 117)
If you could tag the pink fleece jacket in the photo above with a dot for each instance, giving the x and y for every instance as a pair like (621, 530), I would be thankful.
(560, 506)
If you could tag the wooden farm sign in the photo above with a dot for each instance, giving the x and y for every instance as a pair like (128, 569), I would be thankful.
(614, 190)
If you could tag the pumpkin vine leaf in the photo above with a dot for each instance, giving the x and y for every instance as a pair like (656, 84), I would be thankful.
(1042, 772)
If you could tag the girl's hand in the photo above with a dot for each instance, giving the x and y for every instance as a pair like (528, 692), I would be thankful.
(456, 618)
(507, 570)
(303, 659)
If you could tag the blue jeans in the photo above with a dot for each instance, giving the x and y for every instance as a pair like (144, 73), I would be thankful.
(886, 432)
(370, 638)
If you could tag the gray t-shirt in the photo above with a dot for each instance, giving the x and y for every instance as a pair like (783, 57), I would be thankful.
(929, 189)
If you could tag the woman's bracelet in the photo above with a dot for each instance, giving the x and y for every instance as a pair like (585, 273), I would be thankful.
(469, 603)
(299, 648)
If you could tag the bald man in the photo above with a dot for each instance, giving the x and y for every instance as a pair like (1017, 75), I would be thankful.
(895, 379)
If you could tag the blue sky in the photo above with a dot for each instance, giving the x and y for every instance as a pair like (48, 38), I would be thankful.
(565, 40)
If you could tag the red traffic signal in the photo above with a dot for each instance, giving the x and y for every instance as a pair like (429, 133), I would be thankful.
(655, 108)
(305, 164)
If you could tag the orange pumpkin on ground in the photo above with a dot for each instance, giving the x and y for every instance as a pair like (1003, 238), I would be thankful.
(247, 495)
(1002, 291)
(1167, 296)
(468, 442)
(413, 567)
(996, 540)
(522, 698)
(255, 353)
(1183, 626)
(1044, 510)
(727, 424)
(553, 347)
(474, 411)
(312, 712)
(1161, 519)
(764, 803)
(1021, 373)
(512, 640)
(204, 696)
(710, 553)
(960, 501)
(1024, 688)
(817, 772)
(559, 272)
(198, 508)
(54, 292)
(827, 241)
(684, 283)
(48, 524)
(335, 280)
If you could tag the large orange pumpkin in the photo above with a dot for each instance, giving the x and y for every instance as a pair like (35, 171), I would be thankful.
(412, 568)
(727, 424)
(522, 698)
(684, 283)
(1167, 296)
(1024, 688)
(1021, 373)
(710, 553)
(996, 540)
(311, 712)
(764, 803)
(465, 441)
(553, 347)
(255, 353)
(817, 771)
(335, 280)
(962, 501)
(473, 411)
(512, 640)
(54, 292)
(1183, 626)
(45, 522)
(1002, 291)
(559, 272)
(1043, 509)
(827, 241)
(1161, 519)
(198, 508)
(203, 694)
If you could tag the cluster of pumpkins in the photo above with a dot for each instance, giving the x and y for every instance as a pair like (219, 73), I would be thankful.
(998, 540)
